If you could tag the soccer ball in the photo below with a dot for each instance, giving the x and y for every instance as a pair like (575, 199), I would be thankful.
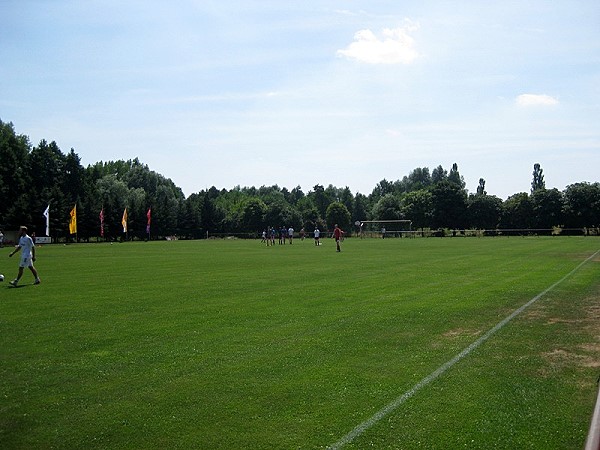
(1, 277)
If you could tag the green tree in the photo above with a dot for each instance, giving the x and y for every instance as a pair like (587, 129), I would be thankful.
(517, 212)
(383, 188)
(455, 177)
(417, 206)
(388, 208)
(538, 178)
(481, 187)
(547, 207)
(347, 199)
(308, 212)
(113, 194)
(320, 199)
(296, 195)
(15, 177)
(190, 219)
(361, 208)
(449, 203)
(418, 179)
(47, 162)
(253, 214)
(438, 175)
(484, 211)
(338, 213)
(582, 205)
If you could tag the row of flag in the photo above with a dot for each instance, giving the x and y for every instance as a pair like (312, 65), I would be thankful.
(73, 220)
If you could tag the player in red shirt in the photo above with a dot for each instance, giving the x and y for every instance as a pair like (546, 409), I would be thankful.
(337, 235)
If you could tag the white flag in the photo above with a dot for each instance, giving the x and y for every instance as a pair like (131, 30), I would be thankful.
(47, 216)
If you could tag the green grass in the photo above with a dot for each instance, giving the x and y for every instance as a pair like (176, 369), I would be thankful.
(229, 344)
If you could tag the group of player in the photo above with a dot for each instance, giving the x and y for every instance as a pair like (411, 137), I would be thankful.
(284, 234)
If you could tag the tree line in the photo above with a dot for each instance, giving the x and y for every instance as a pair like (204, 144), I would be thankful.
(33, 177)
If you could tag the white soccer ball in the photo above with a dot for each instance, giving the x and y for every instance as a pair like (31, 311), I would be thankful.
(1, 277)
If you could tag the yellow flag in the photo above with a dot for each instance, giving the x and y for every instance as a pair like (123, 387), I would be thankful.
(124, 221)
(73, 221)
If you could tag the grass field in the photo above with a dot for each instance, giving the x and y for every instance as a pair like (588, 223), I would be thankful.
(231, 345)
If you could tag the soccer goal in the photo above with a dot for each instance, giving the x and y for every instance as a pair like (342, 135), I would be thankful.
(385, 228)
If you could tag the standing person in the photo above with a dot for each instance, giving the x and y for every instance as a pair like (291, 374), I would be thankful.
(264, 236)
(1, 239)
(291, 234)
(27, 256)
(302, 233)
(383, 233)
(282, 232)
(317, 236)
(337, 235)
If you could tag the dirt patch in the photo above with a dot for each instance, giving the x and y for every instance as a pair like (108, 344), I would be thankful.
(559, 358)
(458, 332)
(537, 313)
(555, 320)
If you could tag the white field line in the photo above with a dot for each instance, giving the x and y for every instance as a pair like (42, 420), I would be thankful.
(361, 428)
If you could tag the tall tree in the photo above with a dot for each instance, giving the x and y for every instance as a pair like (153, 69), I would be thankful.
(361, 208)
(190, 219)
(455, 177)
(481, 187)
(320, 199)
(449, 205)
(438, 175)
(347, 199)
(538, 178)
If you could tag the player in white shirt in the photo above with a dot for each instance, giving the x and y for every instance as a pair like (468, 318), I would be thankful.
(27, 247)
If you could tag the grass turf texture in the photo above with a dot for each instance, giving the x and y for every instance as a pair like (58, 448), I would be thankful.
(230, 344)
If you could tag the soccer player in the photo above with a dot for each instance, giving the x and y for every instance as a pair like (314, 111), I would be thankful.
(337, 235)
(27, 248)
(282, 233)
(291, 234)
(317, 236)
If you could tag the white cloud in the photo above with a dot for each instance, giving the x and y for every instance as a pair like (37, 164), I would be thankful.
(396, 46)
(526, 100)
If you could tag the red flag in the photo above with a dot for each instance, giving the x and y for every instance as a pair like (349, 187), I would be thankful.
(102, 222)
(149, 216)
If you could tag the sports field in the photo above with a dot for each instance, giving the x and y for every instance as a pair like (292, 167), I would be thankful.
(228, 344)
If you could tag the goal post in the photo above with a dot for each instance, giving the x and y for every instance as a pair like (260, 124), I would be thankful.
(385, 228)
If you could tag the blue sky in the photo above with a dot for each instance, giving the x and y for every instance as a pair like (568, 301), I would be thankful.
(347, 93)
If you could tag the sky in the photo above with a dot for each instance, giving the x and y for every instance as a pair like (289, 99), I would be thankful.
(298, 93)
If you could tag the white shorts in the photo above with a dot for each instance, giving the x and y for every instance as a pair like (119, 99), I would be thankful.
(26, 261)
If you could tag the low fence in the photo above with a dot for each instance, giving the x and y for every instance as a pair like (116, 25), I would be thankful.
(11, 238)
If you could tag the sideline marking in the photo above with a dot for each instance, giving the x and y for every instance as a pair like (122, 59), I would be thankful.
(360, 429)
